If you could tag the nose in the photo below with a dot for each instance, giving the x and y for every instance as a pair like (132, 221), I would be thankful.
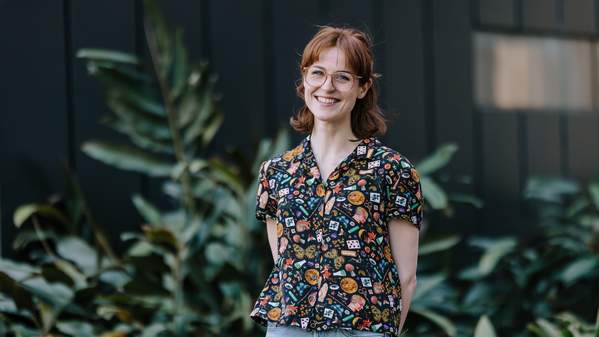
(328, 83)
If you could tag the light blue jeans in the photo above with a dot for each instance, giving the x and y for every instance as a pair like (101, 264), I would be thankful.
(293, 331)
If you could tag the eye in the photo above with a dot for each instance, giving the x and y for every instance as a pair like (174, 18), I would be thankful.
(342, 77)
(316, 72)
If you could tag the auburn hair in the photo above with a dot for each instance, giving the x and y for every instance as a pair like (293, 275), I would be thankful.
(366, 117)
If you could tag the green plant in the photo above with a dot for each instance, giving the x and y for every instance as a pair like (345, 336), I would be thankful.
(436, 297)
(553, 268)
(191, 270)
(436, 198)
(565, 324)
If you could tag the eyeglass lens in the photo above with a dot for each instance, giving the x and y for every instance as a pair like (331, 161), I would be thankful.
(341, 80)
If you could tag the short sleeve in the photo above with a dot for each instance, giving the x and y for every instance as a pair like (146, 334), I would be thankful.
(404, 193)
(266, 201)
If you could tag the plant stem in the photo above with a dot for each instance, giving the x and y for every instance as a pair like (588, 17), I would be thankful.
(99, 237)
(172, 120)
(38, 232)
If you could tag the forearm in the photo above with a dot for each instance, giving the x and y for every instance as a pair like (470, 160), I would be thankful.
(404, 246)
(408, 287)
(271, 229)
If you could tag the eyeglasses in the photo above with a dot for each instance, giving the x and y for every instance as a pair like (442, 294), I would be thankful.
(342, 80)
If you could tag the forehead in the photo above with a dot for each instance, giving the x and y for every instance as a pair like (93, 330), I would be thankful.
(332, 59)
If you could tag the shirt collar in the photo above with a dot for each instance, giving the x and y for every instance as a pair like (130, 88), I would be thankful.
(364, 150)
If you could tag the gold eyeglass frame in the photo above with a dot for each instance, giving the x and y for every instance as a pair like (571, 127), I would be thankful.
(332, 80)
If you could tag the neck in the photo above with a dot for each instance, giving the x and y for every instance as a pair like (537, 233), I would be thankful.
(333, 143)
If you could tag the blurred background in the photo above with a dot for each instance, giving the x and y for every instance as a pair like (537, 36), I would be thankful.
(494, 100)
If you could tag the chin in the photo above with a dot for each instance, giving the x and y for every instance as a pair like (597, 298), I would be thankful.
(326, 116)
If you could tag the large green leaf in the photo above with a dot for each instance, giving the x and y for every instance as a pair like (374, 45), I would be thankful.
(24, 212)
(137, 100)
(578, 268)
(218, 253)
(544, 328)
(484, 328)
(467, 199)
(427, 283)
(56, 294)
(137, 119)
(76, 328)
(433, 193)
(148, 211)
(443, 322)
(16, 292)
(550, 188)
(108, 55)
(18, 271)
(26, 237)
(438, 245)
(495, 250)
(437, 159)
(127, 158)
(82, 254)
(138, 138)
(118, 74)
(494, 254)
(163, 237)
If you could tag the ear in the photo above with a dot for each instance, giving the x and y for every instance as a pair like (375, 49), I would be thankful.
(364, 89)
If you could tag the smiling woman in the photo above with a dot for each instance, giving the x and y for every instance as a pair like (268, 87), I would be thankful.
(342, 209)
(347, 51)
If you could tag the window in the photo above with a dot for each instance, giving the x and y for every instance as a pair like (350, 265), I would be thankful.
(533, 73)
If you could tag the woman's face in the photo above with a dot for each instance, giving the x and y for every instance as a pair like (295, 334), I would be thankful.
(330, 61)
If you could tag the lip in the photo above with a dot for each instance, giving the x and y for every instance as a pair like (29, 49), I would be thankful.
(316, 96)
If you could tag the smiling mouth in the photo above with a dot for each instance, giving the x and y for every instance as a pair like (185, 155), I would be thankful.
(326, 100)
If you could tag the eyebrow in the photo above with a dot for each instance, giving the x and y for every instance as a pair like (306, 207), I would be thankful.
(337, 71)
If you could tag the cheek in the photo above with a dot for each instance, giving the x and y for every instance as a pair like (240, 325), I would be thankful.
(308, 92)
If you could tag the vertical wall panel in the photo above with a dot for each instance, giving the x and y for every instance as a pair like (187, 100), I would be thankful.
(453, 81)
(237, 57)
(189, 16)
(501, 172)
(579, 16)
(500, 13)
(110, 203)
(352, 12)
(33, 123)
(540, 14)
(453, 110)
(544, 146)
(583, 146)
(403, 82)
(294, 23)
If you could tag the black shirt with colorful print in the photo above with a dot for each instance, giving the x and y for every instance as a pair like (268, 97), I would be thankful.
(335, 269)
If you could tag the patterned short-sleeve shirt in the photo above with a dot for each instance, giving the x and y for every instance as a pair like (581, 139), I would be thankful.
(335, 268)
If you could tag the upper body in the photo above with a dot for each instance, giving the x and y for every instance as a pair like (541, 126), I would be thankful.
(342, 216)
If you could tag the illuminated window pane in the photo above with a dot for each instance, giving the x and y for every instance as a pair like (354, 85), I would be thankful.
(533, 73)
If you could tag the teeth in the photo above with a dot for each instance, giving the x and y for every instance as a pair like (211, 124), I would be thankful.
(326, 100)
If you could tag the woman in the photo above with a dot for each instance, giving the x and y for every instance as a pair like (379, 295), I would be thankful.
(342, 218)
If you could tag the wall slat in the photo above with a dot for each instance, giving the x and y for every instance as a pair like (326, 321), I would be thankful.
(33, 122)
(110, 203)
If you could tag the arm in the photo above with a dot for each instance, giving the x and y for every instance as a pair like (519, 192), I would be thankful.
(404, 248)
(271, 229)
